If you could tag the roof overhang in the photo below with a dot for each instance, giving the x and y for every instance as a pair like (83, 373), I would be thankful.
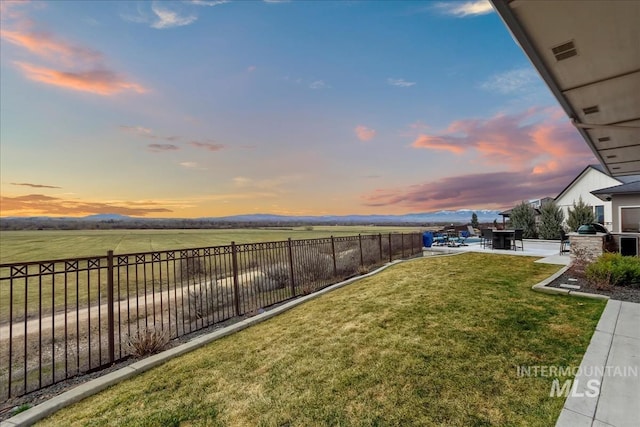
(588, 54)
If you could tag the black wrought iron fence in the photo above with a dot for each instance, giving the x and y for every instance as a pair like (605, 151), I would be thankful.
(62, 318)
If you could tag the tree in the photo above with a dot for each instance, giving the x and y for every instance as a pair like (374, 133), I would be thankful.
(551, 219)
(523, 217)
(580, 214)
(474, 220)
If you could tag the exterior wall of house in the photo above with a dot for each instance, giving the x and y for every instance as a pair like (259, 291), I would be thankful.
(591, 180)
(621, 201)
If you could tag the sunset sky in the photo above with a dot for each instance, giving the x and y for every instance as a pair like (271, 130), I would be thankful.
(210, 108)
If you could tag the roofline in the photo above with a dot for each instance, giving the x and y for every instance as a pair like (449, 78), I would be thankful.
(522, 39)
(560, 194)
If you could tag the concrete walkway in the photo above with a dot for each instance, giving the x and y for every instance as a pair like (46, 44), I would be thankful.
(606, 391)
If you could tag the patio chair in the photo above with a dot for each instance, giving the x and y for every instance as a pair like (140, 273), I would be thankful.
(517, 237)
(439, 239)
(486, 238)
(564, 243)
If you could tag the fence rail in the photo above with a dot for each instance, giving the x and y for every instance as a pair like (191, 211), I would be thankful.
(66, 317)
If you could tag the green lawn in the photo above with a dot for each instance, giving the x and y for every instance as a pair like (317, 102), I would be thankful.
(34, 245)
(434, 341)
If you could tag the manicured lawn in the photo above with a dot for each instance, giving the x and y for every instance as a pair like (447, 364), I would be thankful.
(41, 245)
(434, 341)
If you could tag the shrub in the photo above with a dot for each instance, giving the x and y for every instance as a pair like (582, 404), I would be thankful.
(580, 214)
(551, 219)
(614, 270)
(147, 341)
(200, 303)
(523, 217)
(191, 267)
(580, 262)
(278, 275)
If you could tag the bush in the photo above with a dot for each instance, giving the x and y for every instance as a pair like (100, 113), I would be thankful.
(523, 217)
(278, 275)
(200, 303)
(191, 267)
(614, 270)
(147, 341)
(580, 214)
(551, 219)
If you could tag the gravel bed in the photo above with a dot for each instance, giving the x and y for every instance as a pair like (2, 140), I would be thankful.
(622, 293)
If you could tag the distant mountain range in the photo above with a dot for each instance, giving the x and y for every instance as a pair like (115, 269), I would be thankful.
(457, 216)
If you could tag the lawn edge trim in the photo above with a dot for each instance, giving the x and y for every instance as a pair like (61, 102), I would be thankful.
(96, 385)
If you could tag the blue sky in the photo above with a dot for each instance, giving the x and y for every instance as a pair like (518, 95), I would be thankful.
(209, 108)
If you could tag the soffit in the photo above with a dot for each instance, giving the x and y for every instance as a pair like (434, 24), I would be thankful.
(596, 64)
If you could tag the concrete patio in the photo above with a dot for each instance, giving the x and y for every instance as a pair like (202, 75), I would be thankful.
(547, 250)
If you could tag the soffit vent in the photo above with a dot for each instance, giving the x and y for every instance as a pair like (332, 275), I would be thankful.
(564, 51)
(613, 156)
(604, 139)
(615, 168)
(591, 110)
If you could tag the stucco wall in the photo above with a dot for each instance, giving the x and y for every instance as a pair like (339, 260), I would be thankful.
(591, 180)
(622, 200)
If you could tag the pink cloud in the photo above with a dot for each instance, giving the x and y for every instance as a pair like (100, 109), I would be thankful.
(100, 82)
(46, 45)
(532, 138)
(437, 143)
(364, 133)
(70, 66)
(534, 146)
(485, 190)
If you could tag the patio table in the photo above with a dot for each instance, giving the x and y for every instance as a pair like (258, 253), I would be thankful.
(502, 239)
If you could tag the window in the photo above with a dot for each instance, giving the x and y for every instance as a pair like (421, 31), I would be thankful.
(630, 219)
(599, 213)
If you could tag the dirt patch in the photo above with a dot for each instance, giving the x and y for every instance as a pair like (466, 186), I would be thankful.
(621, 293)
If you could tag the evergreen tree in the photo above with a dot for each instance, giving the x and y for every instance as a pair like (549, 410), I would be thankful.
(474, 220)
(523, 217)
(551, 219)
(580, 214)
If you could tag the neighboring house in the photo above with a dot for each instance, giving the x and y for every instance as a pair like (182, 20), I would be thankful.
(535, 204)
(592, 178)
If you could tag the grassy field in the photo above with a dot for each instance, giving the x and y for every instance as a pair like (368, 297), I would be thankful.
(20, 246)
(434, 341)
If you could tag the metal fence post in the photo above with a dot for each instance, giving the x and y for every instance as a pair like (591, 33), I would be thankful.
(361, 255)
(333, 252)
(236, 288)
(291, 275)
(380, 244)
(390, 251)
(110, 308)
(402, 240)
